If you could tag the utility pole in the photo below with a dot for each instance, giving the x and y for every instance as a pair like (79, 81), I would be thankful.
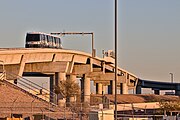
(116, 30)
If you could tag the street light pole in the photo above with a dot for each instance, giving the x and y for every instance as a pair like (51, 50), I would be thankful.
(116, 30)
(171, 77)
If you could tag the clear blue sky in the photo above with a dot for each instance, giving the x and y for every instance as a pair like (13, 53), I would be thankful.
(149, 30)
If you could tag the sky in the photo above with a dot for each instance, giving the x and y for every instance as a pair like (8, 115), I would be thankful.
(148, 30)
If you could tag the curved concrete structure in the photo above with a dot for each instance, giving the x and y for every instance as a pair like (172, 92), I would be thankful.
(61, 62)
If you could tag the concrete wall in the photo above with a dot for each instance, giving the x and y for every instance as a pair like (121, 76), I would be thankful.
(105, 114)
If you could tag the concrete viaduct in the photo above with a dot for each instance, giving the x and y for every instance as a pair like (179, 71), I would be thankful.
(157, 86)
(64, 64)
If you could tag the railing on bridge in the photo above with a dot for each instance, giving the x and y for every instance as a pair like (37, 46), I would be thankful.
(31, 87)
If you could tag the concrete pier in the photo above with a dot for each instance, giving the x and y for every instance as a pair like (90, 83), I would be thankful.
(72, 78)
(61, 77)
(86, 89)
(99, 88)
(52, 84)
(60, 63)
(138, 89)
(156, 92)
(124, 88)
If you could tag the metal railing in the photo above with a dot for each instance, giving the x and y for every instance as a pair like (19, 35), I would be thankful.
(34, 88)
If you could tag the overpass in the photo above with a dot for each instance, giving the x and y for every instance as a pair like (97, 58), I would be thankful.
(157, 86)
(62, 64)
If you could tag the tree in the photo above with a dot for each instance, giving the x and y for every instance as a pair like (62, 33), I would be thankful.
(67, 88)
(170, 106)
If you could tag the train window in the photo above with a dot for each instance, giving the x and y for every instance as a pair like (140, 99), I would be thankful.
(50, 41)
(47, 39)
(57, 42)
(32, 37)
(53, 40)
(60, 41)
(42, 37)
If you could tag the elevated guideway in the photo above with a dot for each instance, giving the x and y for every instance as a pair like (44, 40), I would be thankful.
(61, 64)
(157, 86)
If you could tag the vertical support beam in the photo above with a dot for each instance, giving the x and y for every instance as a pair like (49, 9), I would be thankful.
(156, 92)
(99, 88)
(60, 77)
(22, 65)
(86, 89)
(82, 89)
(52, 83)
(138, 89)
(103, 67)
(104, 89)
(124, 88)
(177, 92)
(72, 78)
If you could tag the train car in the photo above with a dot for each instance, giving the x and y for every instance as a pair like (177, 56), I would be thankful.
(42, 40)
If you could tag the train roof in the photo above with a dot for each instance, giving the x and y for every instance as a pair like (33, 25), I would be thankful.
(42, 33)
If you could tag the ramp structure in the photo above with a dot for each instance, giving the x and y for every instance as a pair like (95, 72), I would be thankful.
(61, 64)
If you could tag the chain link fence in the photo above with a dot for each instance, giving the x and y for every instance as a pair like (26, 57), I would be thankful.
(74, 111)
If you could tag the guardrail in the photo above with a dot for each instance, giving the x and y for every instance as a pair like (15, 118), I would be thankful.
(34, 88)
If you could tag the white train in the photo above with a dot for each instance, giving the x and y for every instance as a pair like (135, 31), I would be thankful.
(42, 40)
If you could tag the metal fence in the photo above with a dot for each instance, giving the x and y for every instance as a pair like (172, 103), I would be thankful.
(75, 111)
(32, 88)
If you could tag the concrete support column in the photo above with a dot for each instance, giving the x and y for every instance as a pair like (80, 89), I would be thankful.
(177, 92)
(52, 84)
(111, 87)
(60, 77)
(82, 89)
(104, 89)
(87, 91)
(124, 88)
(99, 88)
(22, 65)
(72, 78)
(138, 89)
(157, 92)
